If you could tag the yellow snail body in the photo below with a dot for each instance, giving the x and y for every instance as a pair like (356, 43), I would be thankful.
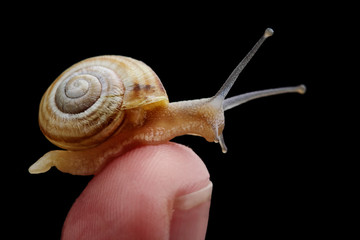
(103, 106)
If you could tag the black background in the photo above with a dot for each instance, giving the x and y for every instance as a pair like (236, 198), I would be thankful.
(270, 183)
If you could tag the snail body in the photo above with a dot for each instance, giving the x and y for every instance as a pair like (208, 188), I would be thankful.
(102, 106)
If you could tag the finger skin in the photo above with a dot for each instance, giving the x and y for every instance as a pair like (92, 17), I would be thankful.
(133, 197)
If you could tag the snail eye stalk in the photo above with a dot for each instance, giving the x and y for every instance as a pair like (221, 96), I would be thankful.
(226, 104)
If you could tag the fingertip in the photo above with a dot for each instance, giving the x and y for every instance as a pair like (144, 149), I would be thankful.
(132, 194)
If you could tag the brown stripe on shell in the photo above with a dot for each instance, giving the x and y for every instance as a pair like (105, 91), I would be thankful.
(159, 85)
(146, 87)
(134, 90)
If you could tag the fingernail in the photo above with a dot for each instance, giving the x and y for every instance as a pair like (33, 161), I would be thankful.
(191, 214)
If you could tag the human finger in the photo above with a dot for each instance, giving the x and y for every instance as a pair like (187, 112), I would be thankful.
(151, 192)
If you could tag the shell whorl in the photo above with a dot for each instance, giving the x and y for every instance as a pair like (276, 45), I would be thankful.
(86, 104)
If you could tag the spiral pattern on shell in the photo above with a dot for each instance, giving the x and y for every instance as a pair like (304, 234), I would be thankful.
(85, 105)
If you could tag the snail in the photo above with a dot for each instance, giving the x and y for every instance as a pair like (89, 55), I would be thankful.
(103, 106)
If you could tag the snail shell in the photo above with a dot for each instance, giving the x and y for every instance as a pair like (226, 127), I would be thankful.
(85, 105)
